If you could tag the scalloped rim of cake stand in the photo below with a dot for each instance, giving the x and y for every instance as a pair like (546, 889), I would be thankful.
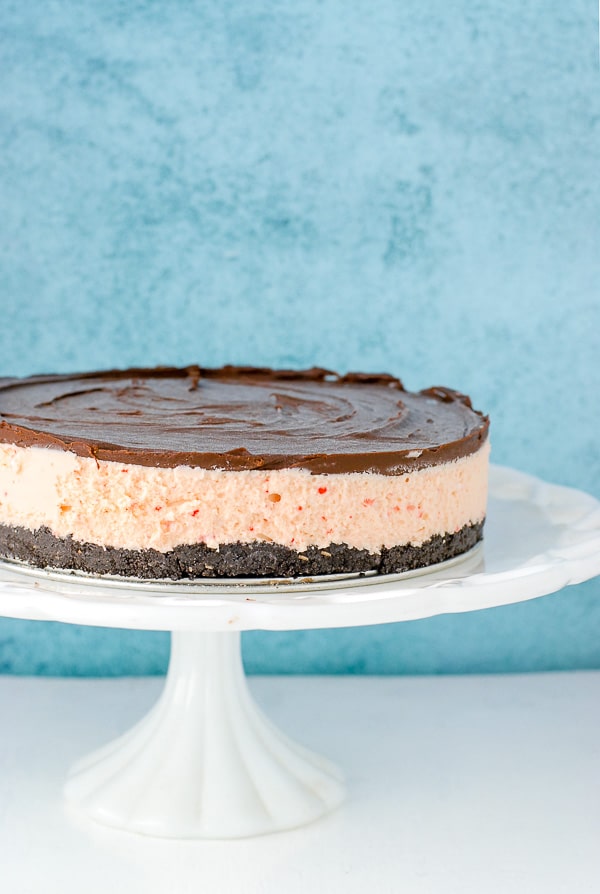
(539, 538)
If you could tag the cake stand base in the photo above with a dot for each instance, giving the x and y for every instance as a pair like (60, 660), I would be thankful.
(205, 762)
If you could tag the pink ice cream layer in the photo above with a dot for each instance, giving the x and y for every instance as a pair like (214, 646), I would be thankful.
(141, 507)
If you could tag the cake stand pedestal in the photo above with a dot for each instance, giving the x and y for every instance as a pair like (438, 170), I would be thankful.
(205, 762)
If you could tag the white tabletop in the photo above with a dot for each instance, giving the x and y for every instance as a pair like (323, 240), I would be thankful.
(457, 784)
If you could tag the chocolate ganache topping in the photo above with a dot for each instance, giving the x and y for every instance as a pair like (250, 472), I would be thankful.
(242, 418)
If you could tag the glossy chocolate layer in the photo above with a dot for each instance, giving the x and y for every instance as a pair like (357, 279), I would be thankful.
(242, 418)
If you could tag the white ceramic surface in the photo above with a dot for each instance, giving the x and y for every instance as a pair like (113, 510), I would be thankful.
(539, 537)
(205, 763)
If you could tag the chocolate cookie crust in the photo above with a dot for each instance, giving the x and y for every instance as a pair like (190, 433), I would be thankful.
(42, 549)
(242, 418)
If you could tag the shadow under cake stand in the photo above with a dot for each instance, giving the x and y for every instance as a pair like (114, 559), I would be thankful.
(205, 762)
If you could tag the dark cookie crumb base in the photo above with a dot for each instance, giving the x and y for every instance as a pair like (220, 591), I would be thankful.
(42, 549)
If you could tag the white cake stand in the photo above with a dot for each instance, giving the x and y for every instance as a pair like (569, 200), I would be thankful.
(205, 762)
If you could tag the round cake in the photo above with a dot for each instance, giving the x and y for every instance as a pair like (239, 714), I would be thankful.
(237, 472)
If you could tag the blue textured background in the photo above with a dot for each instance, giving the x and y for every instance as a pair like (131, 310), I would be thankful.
(395, 185)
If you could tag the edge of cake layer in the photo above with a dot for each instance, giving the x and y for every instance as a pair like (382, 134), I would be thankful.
(42, 549)
(138, 507)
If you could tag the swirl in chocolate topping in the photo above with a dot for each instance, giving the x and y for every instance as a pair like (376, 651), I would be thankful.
(242, 418)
